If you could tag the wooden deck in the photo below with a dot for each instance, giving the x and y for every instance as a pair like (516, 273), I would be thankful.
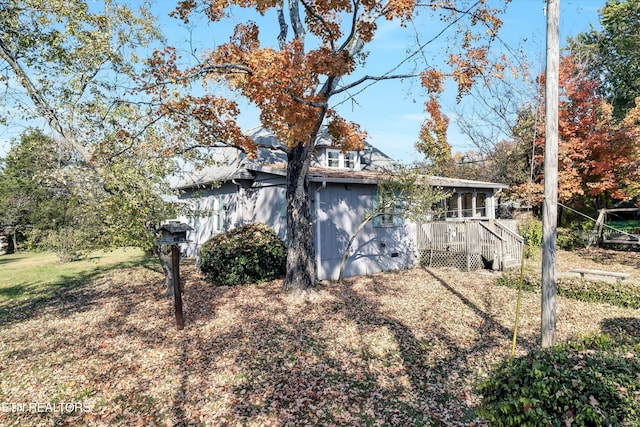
(469, 245)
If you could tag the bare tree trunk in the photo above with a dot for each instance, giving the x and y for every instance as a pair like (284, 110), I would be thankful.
(164, 256)
(14, 240)
(301, 260)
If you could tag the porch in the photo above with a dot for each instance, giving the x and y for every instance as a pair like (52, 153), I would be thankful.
(469, 245)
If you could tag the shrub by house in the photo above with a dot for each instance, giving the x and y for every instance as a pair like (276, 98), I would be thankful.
(247, 254)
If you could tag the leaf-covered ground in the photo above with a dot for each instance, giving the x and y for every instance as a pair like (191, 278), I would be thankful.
(402, 348)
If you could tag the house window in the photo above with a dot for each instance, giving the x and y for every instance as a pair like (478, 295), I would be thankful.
(282, 199)
(218, 213)
(333, 159)
(350, 160)
(467, 204)
(386, 218)
(389, 216)
(338, 159)
(439, 209)
(452, 206)
(481, 205)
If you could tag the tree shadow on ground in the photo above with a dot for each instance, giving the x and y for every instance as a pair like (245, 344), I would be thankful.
(10, 259)
(91, 341)
(283, 364)
(439, 378)
(71, 294)
(623, 330)
(611, 257)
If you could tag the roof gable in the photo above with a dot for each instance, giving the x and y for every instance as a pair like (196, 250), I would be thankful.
(230, 162)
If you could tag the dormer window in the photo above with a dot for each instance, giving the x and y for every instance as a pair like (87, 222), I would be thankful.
(338, 159)
(349, 160)
(333, 158)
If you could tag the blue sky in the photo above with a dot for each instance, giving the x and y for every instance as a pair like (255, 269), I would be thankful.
(392, 111)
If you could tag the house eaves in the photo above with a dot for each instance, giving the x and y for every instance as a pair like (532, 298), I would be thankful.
(342, 176)
(346, 176)
(440, 181)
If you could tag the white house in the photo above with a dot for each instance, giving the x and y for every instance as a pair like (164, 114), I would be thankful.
(343, 186)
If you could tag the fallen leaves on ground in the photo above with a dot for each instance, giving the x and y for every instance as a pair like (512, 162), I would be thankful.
(401, 348)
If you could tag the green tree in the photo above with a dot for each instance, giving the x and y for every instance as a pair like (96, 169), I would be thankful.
(73, 64)
(31, 198)
(612, 54)
(49, 199)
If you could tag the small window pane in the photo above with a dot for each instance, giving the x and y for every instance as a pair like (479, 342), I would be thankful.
(333, 159)
(452, 206)
(350, 160)
(467, 204)
(386, 219)
(481, 204)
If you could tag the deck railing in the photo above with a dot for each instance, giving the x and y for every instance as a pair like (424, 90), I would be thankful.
(514, 245)
(469, 244)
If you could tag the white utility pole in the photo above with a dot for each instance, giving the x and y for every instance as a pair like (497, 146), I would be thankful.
(550, 204)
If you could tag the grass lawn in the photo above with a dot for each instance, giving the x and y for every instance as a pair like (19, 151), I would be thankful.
(29, 280)
(402, 348)
(27, 274)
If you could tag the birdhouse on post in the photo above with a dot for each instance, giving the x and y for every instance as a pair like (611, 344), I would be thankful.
(173, 233)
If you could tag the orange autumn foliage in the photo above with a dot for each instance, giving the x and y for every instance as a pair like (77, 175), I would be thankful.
(597, 157)
(291, 85)
(291, 82)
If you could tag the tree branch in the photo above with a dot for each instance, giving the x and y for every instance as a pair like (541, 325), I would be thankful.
(305, 101)
(282, 36)
(41, 102)
(320, 19)
(296, 22)
(374, 78)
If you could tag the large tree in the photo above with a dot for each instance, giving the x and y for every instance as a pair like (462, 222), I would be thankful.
(50, 198)
(71, 66)
(29, 199)
(319, 53)
(612, 54)
(598, 159)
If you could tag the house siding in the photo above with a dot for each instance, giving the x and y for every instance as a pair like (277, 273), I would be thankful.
(265, 203)
(339, 210)
(209, 216)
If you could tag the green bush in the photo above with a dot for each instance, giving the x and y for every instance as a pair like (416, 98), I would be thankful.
(577, 236)
(619, 294)
(511, 279)
(585, 384)
(69, 243)
(569, 239)
(531, 230)
(247, 254)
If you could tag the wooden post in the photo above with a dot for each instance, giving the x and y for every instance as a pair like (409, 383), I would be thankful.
(177, 288)
(550, 204)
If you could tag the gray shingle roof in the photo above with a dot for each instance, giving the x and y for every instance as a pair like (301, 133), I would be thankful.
(228, 162)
